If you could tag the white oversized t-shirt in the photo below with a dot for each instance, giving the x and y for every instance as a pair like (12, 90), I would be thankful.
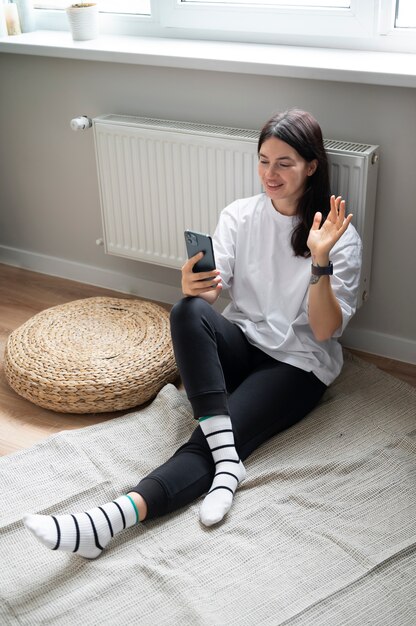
(269, 285)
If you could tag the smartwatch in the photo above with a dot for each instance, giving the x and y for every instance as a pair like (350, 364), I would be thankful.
(318, 271)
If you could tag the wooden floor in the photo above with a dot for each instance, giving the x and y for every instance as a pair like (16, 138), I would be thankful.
(22, 295)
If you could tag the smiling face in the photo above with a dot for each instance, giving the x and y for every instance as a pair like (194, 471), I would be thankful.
(283, 173)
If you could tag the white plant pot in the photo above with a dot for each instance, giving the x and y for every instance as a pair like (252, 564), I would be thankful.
(83, 22)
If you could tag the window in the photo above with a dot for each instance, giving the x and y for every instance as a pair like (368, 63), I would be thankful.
(341, 4)
(405, 14)
(140, 7)
(350, 24)
(307, 18)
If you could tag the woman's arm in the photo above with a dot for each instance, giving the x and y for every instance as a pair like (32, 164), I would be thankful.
(196, 283)
(325, 315)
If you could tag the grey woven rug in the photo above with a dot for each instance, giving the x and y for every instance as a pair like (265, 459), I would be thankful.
(321, 533)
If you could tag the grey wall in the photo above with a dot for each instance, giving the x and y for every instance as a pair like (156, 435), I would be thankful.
(48, 189)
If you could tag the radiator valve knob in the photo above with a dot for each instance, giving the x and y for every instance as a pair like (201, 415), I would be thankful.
(81, 123)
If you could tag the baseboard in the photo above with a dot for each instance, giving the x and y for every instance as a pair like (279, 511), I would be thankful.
(90, 275)
(381, 344)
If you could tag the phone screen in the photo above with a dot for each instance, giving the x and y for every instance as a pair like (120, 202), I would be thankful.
(198, 242)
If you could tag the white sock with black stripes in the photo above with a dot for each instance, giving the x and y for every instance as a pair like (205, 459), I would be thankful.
(229, 470)
(85, 534)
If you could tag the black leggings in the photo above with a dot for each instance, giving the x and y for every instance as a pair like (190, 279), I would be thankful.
(224, 374)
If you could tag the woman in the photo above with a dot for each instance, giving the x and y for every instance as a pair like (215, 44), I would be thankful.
(291, 261)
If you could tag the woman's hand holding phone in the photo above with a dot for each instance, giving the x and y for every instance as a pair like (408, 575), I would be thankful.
(204, 284)
(199, 274)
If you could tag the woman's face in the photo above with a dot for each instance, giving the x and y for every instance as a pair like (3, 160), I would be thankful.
(283, 173)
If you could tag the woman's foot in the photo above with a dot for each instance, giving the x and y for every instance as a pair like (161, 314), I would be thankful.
(85, 534)
(229, 470)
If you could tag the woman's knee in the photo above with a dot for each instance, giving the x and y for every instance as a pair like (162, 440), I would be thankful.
(188, 309)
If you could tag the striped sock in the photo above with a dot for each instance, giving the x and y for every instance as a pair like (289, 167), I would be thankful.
(229, 470)
(85, 534)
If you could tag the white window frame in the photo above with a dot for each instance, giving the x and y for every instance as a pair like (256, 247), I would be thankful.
(367, 25)
(118, 24)
(389, 37)
(306, 21)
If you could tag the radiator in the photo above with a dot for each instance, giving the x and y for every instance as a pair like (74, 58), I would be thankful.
(160, 177)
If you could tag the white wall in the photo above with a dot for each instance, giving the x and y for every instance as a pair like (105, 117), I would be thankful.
(49, 202)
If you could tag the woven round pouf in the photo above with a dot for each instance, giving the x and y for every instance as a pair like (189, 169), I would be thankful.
(92, 356)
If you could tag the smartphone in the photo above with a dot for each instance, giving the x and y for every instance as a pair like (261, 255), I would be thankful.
(198, 242)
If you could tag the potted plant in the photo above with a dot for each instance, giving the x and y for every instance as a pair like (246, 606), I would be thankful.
(83, 20)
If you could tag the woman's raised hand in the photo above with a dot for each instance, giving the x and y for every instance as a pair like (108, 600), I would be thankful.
(322, 238)
(199, 283)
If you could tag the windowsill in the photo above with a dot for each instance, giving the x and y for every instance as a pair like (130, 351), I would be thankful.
(375, 68)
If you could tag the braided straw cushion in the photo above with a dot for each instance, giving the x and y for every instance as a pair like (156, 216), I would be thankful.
(92, 356)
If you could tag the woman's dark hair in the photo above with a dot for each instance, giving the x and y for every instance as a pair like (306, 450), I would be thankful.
(302, 132)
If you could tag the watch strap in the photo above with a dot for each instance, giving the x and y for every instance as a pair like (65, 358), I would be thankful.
(327, 270)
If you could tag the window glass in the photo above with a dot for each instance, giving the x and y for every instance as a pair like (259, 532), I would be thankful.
(405, 14)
